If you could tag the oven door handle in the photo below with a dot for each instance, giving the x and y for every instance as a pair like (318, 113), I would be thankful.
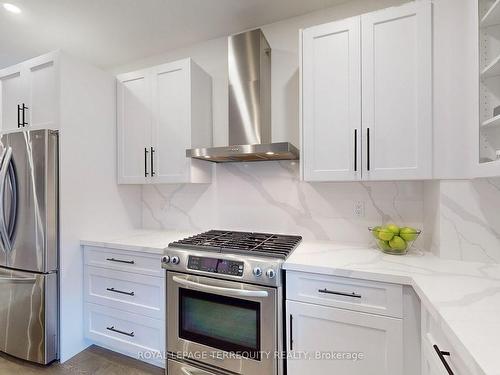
(219, 289)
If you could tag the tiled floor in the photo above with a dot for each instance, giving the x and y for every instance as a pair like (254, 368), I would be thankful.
(93, 360)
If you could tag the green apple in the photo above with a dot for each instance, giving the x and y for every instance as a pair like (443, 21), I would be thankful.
(384, 245)
(375, 231)
(408, 234)
(393, 228)
(385, 235)
(397, 243)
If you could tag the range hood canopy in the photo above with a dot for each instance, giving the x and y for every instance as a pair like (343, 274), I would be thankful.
(249, 63)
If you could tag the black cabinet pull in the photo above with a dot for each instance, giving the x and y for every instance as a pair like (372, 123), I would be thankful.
(291, 332)
(368, 148)
(326, 291)
(146, 162)
(441, 355)
(18, 116)
(112, 328)
(24, 123)
(152, 162)
(120, 291)
(120, 261)
(355, 150)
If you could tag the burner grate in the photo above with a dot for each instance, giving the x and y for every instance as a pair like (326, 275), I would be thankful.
(263, 244)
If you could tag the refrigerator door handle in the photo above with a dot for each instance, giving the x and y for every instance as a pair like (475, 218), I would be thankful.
(18, 280)
(3, 177)
(12, 223)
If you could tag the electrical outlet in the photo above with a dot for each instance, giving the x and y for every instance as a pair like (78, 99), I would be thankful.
(359, 209)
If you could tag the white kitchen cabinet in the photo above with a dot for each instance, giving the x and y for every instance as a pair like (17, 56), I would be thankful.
(162, 111)
(435, 340)
(332, 101)
(124, 302)
(367, 96)
(134, 119)
(316, 330)
(30, 93)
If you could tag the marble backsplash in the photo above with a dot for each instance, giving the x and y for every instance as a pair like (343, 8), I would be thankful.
(463, 218)
(269, 197)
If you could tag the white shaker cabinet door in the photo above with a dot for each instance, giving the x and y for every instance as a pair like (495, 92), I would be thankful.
(42, 84)
(172, 122)
(134, 120)
(315, 330)
(12, 96)
(397, 92)
(331, 101)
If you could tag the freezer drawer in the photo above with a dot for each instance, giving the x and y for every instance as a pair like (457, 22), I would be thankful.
(29, 315)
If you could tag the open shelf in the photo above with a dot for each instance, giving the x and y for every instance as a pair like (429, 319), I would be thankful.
(493, 69)
(492, 122)
(492, 16)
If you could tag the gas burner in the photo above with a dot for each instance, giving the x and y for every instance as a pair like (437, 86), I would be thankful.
(263, 244)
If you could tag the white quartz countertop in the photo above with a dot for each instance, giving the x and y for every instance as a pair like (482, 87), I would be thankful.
(463, 296)
(151, 241)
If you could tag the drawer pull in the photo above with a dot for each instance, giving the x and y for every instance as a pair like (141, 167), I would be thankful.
(120, 291)
(326, 291)
(441, 355)
(120, 260)
(112, 328)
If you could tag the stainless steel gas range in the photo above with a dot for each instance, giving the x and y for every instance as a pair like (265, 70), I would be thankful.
(225, 303)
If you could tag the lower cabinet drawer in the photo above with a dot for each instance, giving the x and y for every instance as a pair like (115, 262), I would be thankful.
(346, 293)
(138, 336)
(124, 260)
(135, 293)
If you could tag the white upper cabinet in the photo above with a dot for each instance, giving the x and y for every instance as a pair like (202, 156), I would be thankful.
(42, 91)
(332, 101)
(367, 96)
(162, 111)
(134, 117)
(397, 92)
(30, 93)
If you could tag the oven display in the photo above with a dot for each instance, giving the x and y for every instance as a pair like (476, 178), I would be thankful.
(222, 266)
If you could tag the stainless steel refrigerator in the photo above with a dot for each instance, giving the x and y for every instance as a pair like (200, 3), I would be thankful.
(29, 318)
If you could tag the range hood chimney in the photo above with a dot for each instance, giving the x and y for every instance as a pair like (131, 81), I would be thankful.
(249, 63)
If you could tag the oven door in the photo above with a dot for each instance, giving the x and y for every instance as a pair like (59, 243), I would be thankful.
(225, 324)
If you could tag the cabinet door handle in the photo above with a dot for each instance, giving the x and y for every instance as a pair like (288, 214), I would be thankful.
(146, 162)
(355, 150)
(326, 291)
(24, 123)
(441, 355)
(120, 261)
(291, 332)
(18, 116)
(152, 162)
(112, 328)
(120, 291)
(368, 149)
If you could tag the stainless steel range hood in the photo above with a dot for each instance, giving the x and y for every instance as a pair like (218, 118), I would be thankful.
(249, 62)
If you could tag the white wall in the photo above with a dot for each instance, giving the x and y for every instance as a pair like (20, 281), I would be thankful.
(91, 203)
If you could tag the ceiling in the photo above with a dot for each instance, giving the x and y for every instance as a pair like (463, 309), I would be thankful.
(108, 33)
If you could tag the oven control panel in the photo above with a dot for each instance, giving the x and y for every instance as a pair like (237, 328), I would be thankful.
(214, 265)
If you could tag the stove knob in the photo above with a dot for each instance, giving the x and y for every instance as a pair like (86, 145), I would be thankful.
(175, 260)
(271, 273)
(257, 271)
(165, 259)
